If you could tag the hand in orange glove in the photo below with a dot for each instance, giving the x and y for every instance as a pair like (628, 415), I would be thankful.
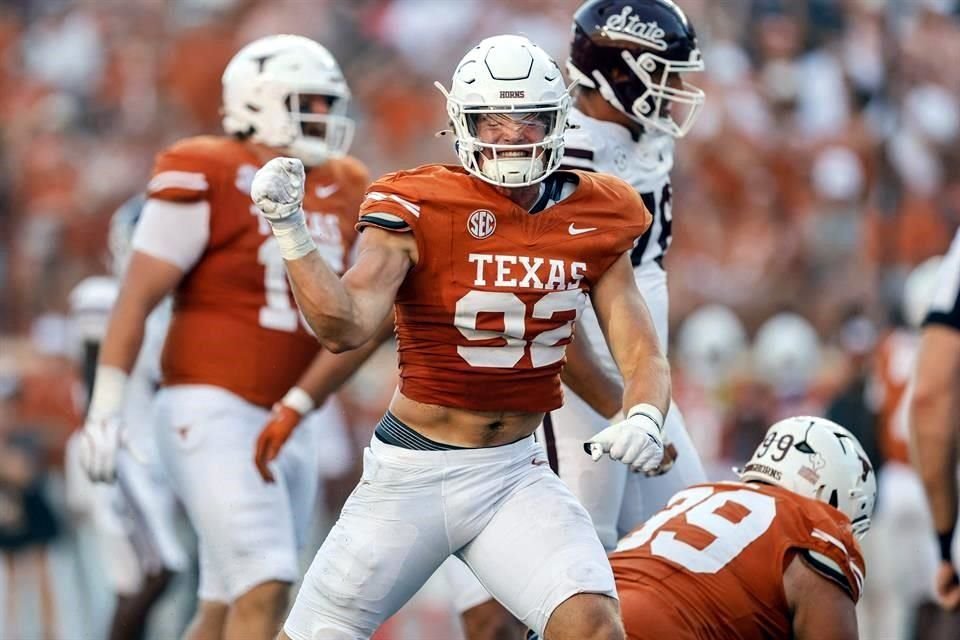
(283, 420)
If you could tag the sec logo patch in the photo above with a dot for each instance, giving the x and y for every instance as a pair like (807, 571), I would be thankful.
(481, 224)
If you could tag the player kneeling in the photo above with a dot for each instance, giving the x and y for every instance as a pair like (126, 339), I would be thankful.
(773, 556)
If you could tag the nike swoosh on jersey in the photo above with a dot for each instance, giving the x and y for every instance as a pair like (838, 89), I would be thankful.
(325, 191)
(575, 232)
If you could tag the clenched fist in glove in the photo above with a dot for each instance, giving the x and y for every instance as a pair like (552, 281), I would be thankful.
(277, 190)
(284, 418)
(636, 441)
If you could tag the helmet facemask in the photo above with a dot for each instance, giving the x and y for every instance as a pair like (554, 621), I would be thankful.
(515, 164)
(318, 136)
(663, 106)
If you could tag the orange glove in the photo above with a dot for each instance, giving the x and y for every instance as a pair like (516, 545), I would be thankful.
(283, 420)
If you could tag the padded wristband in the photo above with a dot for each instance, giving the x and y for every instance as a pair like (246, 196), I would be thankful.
(946, 545)
(647, 411)
(109, 386)
(298, 400)
(293, 237)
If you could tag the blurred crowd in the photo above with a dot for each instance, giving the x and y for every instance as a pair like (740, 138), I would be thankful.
(823, 168)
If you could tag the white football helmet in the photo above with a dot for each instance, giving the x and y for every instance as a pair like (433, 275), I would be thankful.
(918, 290)
(267, 88)
(508, 75)
(786, 352)
(90, 304)
(710, 342)
(818, 459)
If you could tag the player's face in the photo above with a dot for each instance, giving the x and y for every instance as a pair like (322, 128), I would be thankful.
(512, 129)
(314, 104)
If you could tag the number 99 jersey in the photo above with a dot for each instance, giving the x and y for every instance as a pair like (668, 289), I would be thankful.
(711, 564)
(235, 323)
(484, 317)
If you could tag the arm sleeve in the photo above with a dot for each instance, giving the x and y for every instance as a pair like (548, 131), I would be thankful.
(176, 232)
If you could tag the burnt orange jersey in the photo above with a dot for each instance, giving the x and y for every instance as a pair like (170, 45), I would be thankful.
(711, 564)
(484, 317)
(235, 323)
(893, 365)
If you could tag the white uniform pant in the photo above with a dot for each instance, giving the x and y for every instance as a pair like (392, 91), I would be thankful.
(500, 510)
(248, 531)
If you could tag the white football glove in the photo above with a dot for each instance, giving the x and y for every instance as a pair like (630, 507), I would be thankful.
(103, 435)
(636, 441)
(100, 441)
(277, 189)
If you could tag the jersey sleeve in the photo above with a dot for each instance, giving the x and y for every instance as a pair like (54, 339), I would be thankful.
(180, 176)
(579, 152)
(830, 549)
(945, 305)
(391, 205)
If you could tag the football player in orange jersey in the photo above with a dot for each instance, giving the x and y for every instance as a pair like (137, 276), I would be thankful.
(772, 556)
(237, 344)
(933, 418)
(488, 265)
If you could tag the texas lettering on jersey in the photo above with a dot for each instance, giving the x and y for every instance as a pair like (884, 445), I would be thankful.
(233, 311)
(484, 317)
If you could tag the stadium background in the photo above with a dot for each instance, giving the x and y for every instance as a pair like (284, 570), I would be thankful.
(823, 168)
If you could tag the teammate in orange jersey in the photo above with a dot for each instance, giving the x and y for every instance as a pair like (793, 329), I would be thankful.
(773, 556)
(237, 344)
(488, 265)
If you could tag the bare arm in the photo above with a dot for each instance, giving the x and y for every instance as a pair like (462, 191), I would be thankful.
(146, 282)
(933, 439)
(329, 371)
(628, 328)
(347, 312)
(933, 414)
(590, 381)
(820, 609)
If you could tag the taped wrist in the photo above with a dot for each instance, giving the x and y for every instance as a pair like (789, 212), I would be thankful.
(292, 236)
(298, 400)
(109, 386)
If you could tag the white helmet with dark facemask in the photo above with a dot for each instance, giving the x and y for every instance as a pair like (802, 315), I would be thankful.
(818, 459)
(508, 78)
(268, 92)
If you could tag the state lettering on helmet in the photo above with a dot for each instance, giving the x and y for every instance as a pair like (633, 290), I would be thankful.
(635, 53)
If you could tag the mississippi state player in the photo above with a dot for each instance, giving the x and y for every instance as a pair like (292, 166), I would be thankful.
(773, 556)
(237, 344)
(488, 265)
